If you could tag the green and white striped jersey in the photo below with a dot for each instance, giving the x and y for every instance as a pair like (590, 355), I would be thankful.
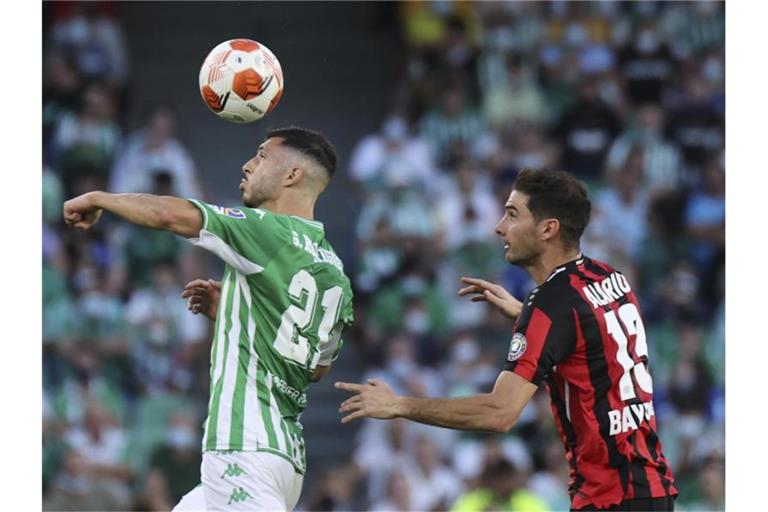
(284, 302)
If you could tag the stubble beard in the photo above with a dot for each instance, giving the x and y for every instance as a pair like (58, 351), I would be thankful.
(524, 260)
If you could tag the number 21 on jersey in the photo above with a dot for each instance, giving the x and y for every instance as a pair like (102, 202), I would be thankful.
(289, 342)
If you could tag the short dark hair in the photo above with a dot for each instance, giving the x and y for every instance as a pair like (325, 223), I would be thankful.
(559, 195)
(310, 143)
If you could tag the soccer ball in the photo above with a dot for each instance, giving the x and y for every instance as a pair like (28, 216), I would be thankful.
(241, 80)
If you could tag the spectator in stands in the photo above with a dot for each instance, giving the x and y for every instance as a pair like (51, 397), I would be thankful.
(95, 42)
(694, 123)
(161, 331)
(101, 444)
(622, 208)
(75, 489)
(705, 219)
(399, 495)
(500, 489)
(646, 64)
(88, 137)
(154, 495)
(452, 127)
(711, 487)
(662, 163)
(178, 459)
(586, 131)
(467, 207)
(516, 99)
(394, 150)
(433, 484)
(153, 149)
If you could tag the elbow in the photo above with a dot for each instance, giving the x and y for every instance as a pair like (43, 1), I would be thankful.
(505, 421)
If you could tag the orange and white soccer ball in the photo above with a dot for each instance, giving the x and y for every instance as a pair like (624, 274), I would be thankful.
(241, 80)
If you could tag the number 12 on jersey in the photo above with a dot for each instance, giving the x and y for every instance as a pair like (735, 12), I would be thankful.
(289, 342)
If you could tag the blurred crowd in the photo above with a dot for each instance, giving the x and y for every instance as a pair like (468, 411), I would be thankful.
(627, 96)
(122, 357)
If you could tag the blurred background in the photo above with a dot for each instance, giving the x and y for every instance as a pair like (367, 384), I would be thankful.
(434, 106)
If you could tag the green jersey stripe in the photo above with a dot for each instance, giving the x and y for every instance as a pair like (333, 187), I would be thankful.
(244, 355)
(266, 415)
(230, 367)
(277, 417)
(253, 429)
(217, 370)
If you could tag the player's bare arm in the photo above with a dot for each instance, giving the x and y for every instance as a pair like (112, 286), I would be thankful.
(320, 372)
(146, 210)
(203, 296)
(481, 290)
(496, 411)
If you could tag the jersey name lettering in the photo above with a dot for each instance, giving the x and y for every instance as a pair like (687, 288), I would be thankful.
(612, 288)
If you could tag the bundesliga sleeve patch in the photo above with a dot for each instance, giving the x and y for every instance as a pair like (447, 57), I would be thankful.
(517, 347)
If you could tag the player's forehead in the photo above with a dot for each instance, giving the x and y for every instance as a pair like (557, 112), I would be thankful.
(517, 200)
(271, 144)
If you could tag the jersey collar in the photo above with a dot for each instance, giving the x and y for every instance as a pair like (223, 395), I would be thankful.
(572, 263)
(313, 223)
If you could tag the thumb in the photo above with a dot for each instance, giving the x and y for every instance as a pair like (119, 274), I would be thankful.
(375, 382)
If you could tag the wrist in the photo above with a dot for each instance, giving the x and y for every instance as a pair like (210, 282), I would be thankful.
(96, 198)
(402, 407)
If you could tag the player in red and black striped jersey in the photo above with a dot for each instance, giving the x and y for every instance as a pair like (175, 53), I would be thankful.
(579, 332)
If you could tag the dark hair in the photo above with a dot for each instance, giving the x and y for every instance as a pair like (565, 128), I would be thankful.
(559, 195)
(309, 142)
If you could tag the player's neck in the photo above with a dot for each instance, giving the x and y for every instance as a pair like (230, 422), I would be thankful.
(291, 206)
(543, 267)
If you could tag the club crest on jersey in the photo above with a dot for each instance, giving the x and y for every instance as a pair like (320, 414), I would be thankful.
(517, 347)
(235, 213)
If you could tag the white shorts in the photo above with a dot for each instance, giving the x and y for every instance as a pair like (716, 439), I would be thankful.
(244, 481)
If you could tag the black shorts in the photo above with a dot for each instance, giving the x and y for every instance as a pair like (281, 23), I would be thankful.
(663, 504)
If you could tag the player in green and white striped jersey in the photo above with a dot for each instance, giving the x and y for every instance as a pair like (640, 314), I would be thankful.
(280, 309)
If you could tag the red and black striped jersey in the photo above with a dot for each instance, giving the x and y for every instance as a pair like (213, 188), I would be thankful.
(581, 333)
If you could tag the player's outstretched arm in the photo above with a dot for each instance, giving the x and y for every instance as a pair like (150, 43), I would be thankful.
(156, 212)
(481, 290)
(496, 411)
(203, 296)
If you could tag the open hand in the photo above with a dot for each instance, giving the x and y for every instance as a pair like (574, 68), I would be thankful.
(80, 212)
(484, 291)
(372, 400)
(203, 296)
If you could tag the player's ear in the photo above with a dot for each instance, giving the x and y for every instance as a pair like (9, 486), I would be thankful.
(294, 176)
(549, 229)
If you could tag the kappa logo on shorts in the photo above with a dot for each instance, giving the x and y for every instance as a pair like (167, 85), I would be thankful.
(233, 470)
(238, 494)
(517, 347)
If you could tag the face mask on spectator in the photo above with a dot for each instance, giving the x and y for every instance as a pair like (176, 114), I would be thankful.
(181, 438)
(417, 321)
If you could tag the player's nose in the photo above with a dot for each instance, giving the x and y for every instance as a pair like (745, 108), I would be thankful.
(497, 229)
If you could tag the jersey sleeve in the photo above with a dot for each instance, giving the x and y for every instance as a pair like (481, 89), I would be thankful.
(544, 334)
(330, 350)
(245, 238)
